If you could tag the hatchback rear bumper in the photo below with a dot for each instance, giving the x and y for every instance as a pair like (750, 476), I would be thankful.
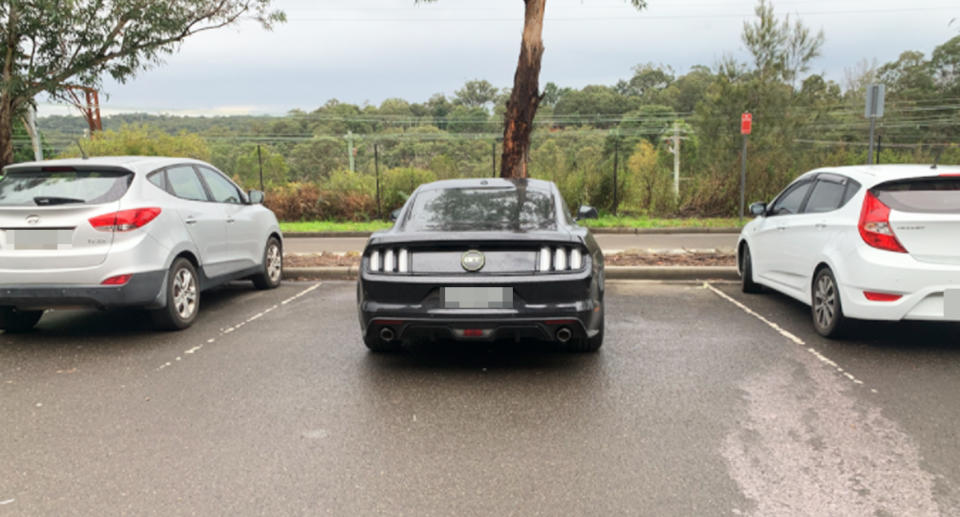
(142, 290)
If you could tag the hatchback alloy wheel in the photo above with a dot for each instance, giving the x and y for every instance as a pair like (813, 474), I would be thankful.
(826, 308)
(274, 262)
(185, 294)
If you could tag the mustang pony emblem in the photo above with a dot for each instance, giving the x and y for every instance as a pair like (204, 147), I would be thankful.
(472, 260)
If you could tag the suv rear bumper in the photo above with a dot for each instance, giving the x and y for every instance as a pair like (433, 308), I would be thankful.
(143, 290)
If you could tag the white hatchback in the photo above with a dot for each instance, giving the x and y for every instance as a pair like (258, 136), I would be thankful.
(869, 242)
(128, 232)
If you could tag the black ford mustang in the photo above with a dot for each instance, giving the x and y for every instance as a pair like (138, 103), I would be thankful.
(483, 260)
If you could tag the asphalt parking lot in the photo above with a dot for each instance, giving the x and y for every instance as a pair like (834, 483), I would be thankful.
(703, 401)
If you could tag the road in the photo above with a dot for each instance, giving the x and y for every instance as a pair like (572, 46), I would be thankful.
(608, 242)
(270, 405)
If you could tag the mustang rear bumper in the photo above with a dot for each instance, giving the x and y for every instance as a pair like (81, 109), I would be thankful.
(143, 289)
(410, 308)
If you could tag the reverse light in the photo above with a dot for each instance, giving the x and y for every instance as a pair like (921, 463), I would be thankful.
(125, 220)
(117, 280)
(881, 297)
(875, 226)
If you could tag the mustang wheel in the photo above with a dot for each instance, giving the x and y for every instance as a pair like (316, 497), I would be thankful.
(13, 321)
(827, 312)
(272, 266)
(587, 344)
(183, 297)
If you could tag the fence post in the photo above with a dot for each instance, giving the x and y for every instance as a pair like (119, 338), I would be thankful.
(616, 164)
(260, 162)
(376, 167)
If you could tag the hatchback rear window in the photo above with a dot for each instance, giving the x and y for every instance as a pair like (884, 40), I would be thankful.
(43, 188)
(922, 195)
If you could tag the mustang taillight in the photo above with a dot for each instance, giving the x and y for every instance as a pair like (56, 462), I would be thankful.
(874, 225)
(559, 259)
(389, 260)
(125, 220)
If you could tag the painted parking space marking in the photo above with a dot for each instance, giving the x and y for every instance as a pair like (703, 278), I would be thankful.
(229, 330)
(788, 335)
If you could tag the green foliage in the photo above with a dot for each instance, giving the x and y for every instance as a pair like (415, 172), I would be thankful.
(246, 171)
(142, 141)
(398, 184)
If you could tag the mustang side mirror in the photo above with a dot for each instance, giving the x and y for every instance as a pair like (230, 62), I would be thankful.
(256, 197)
(395, 215)
(758, 209)
(587, 212)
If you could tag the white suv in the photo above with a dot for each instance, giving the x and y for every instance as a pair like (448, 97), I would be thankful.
(128, 231)
(872, 243)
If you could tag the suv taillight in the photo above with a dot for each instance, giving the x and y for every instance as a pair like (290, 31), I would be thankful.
(125, 220)
(875, 226)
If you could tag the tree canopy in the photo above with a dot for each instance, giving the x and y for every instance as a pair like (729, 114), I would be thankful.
(48, 45)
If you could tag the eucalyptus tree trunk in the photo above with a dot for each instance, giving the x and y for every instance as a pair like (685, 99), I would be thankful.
(6, 85)
(525, 98)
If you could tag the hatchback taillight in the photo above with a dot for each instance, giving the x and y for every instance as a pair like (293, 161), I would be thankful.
(875, 226)
(125, 220)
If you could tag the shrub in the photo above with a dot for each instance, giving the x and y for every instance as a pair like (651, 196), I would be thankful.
(398, 184)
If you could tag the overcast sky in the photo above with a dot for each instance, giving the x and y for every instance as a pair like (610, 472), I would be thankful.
(368, 50)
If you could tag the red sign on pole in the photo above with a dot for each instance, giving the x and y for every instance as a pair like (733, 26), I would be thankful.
(746, 123)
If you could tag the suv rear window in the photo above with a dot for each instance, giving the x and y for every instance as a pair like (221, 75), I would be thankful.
(482, 209)
(922, 195)
(43, 188)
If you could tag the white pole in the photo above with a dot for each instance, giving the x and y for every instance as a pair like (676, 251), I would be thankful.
(34, 134)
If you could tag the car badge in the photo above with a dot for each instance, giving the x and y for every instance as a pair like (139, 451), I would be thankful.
(472, 260)
(33, 220)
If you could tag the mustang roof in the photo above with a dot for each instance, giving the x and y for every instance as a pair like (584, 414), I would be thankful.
(487, 183)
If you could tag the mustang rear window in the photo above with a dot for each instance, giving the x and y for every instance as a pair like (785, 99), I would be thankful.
(482, 209)
(42, 188)
(922, 195)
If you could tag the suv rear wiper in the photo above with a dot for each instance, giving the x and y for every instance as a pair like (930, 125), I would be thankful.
(54, 200)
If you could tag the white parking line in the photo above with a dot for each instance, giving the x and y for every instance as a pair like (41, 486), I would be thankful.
(8, 501)
(228, 330)
(780, 330)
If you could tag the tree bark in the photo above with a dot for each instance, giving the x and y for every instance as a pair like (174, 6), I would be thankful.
(525, 98)
(6, 95)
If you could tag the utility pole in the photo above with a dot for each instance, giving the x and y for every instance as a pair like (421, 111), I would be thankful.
(873, 111)
(353, 163)
(676, 160)
(493, 157)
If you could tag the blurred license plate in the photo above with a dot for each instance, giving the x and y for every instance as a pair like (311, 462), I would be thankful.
(951, 304)
(477, 297)
(39, 239)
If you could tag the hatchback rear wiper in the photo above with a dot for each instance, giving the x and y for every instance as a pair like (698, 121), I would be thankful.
(54, 200)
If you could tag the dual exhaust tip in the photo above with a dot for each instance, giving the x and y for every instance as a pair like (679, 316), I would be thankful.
(387, 334)
(564, 334)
